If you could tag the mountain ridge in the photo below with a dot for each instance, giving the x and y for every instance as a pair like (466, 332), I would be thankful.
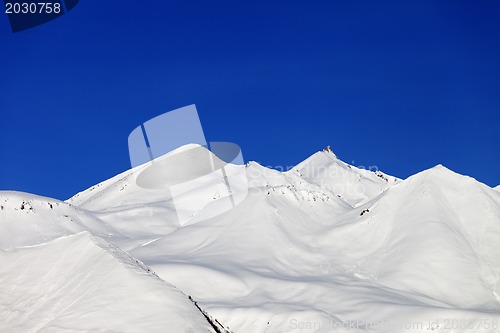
(324, 243)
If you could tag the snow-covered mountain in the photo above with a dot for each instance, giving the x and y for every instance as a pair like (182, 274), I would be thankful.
(324, 247)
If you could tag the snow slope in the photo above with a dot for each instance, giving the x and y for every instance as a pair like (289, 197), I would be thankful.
(323, 247)
(28, 219)
(443, 241)
(426, 247)
(81, 283)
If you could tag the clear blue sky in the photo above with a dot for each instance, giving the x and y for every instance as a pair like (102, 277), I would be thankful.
(403, 85)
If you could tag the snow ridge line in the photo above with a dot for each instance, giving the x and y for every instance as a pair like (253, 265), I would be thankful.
(216, 325)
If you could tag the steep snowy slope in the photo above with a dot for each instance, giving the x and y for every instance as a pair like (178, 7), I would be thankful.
(80, 283)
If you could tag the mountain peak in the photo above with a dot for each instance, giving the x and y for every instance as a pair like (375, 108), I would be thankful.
(354, 185)
(439, 171)
(440, 167)
(328, 149)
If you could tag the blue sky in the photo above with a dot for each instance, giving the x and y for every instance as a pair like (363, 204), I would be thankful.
(402, 85)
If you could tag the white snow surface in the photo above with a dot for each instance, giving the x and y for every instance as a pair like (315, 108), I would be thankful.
(324, 247)
(80, 283)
